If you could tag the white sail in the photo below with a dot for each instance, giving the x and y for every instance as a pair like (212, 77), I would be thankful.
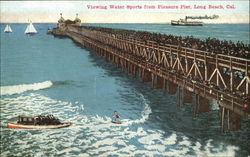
(30, 29)
(7, 29)
(27, 29)
(10, 30)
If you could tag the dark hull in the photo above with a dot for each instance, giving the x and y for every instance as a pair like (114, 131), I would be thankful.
(186, 24)
(14, 125)
(30, 33)
(116, 122)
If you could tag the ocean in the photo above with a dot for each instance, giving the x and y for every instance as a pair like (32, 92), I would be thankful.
(43, 74)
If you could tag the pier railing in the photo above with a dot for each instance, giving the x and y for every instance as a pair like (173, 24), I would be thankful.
(219, 78)
(186, 60)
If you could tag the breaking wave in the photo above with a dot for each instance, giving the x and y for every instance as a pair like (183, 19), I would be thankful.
(144, 114)
(17, 89)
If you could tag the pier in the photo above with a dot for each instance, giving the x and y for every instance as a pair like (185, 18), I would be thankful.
(197, 77)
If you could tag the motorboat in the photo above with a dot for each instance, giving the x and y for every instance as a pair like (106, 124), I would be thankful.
(37, 122)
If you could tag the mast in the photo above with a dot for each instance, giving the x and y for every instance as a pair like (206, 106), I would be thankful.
(32, 28)
(27, 29)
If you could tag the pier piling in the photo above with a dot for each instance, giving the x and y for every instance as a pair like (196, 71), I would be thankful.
(209, 77)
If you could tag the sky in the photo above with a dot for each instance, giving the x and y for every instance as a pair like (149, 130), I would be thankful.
(128, 12)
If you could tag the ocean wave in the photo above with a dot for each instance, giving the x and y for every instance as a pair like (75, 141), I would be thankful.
(144, 114)
(106, 121)
(17, 89)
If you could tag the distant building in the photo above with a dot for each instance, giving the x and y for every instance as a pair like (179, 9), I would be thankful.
(77, 21)
(62, 23)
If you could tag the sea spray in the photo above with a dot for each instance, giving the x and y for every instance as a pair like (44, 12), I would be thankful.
(17, 89)
(145, 113)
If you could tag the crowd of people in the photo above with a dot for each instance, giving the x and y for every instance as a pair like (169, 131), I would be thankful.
(47, 120)
(212, 45)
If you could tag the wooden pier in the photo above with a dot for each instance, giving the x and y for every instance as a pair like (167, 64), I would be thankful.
(197, 77)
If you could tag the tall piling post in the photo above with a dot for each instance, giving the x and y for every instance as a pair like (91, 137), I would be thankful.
(164, 87)
(222, 119)
(228, 120)
(196, 106)
(178, 97)
(153, 80)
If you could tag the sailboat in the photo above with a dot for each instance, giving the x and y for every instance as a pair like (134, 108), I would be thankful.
(7, 29)
(30, 29)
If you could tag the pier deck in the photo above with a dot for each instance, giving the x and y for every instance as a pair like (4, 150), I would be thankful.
(196, 76)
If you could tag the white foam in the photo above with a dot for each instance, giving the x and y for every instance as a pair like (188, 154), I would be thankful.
(102, 138)
(159, 148)
(145, 114)
(107, 148)
(171, 140)
(67, 150)
(185, 142)
(141, 132)
(37, 104)
(149, 139)
(17, 89)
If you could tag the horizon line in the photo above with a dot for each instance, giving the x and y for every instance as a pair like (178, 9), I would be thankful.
(114, 23)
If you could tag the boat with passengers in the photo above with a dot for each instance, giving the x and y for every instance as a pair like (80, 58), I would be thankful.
(38, 122)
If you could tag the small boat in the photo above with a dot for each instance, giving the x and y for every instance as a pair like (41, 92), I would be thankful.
(37, 122)
(30, 29)
(7, 29)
